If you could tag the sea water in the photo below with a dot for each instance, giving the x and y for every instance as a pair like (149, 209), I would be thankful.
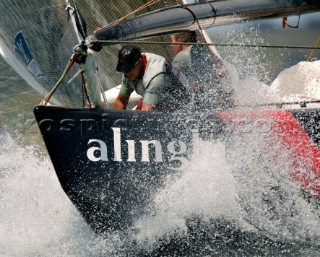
(215, 207)
(36, 217)
(197, 213)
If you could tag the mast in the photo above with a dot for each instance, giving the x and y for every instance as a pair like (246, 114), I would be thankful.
(88, 67)
(70, 11)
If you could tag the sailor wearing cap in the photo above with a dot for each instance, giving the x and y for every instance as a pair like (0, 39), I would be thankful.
(162, 87)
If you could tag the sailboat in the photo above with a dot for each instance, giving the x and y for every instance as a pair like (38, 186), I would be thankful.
(111, 163)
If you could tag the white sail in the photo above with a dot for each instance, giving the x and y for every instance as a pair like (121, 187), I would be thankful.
(22, 70)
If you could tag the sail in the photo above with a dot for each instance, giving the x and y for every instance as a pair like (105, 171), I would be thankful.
(49, 37)
(32, 45)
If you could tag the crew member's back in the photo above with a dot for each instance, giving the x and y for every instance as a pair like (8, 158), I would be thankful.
(205, 71)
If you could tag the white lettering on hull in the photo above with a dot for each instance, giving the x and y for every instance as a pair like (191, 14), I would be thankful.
(175, 148)
(145, 150)
(131, 151)
(117, 144)
(102, 149)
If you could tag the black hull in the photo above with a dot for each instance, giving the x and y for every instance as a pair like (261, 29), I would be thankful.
(111, 192)
(112, 181)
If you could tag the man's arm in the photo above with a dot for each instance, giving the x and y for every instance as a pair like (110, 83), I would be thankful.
(154, 94)
(121, 102)
(146, 107)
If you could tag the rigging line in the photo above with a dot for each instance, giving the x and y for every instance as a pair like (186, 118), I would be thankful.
(133, 12)
(67, 69)
(280, 104)
(167, 52)
(145, 2)
(313, 50)
(101, 88)
(85, 91)
(194, 17)
(113, 42)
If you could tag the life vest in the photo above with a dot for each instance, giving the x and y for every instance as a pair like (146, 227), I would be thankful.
(154, 65)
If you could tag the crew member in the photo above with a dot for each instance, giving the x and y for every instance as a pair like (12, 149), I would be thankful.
(205, 71)
(162, 87)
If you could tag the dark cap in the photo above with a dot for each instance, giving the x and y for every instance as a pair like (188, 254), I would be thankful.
(127, 58)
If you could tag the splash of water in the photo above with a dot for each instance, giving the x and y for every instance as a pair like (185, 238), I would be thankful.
(205, 189)
(37, 218)
(272, 201)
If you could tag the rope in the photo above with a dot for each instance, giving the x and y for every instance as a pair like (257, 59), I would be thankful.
(114, 42)
(194, 17)
(67, 69)
(133, 12)
(85, 91)
(82, 91)
(313, 50)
